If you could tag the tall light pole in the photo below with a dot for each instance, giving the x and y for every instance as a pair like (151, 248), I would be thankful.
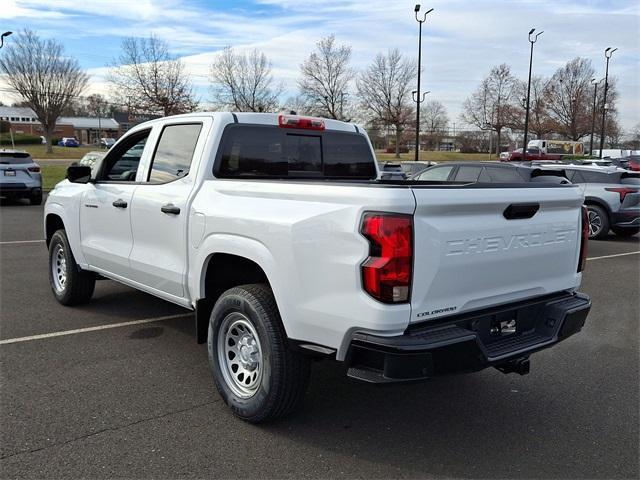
(5, 34)
(532, 39)
(593, 113)
(417, 98)
(607, 53)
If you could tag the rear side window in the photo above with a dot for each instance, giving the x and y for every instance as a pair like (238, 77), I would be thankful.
(174, 152)
(436, 174)
(597, 177)
(15, 158)
(504, 175)
(263, 151)
(468, 174)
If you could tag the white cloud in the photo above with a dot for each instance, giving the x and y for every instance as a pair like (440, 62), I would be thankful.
(462, 39)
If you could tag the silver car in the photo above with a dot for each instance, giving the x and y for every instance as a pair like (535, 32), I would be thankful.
(612, 196)
(20, 176)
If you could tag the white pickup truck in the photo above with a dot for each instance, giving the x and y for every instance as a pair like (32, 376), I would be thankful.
(278, 232)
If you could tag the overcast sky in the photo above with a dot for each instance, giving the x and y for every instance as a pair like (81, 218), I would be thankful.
(462, 39)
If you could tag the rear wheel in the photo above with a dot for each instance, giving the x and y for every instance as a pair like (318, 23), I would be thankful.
(36, 198)
(255, 372)
(70, 284)
(625, 232)
(598, 222)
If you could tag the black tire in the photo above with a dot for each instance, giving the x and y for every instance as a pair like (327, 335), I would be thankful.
(598, 222)
(78, 285)
(625, 232)
(36, 198)
(281, 384)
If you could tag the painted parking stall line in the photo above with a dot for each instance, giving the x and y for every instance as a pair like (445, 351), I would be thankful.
(44, 336)
(20, 242)
(614, 255)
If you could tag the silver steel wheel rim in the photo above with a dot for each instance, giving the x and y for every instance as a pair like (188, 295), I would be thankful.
(595, 223)
(59, 268)
(240, 355)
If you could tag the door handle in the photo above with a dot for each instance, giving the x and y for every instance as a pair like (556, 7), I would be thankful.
(170, 208)
(119, 203)
(519, 211)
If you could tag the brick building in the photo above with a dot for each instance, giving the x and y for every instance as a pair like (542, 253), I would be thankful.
(86, 129)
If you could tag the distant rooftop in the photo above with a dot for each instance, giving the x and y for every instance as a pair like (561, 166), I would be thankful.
(77, 122)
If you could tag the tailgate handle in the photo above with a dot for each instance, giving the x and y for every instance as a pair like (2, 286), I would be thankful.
(518, 211)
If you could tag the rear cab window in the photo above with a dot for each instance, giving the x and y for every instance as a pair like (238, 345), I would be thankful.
(266, 151)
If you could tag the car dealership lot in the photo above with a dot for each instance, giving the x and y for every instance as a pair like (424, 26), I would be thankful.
(138, 400)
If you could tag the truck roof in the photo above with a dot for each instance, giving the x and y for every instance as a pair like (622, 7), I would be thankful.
(257, 118)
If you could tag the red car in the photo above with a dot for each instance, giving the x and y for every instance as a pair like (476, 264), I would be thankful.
(633, 163)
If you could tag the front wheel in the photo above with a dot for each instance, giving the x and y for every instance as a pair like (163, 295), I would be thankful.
(70, 284)
(258, 376)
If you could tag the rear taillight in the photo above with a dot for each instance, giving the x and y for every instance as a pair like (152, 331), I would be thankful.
(622, 191)
(305, 123)
(386, 274)
(584, 240)
(34, 169)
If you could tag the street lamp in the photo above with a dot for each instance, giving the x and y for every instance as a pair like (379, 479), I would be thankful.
(419, 99)
(593, 113)
(416, 98)
(607, 53)
(532, 39)
(5, 34)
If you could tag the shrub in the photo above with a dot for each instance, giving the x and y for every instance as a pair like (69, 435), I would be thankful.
(19, 139)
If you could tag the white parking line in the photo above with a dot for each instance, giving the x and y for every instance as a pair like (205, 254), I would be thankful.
(91, 329)
(18, 242)
(613, 256)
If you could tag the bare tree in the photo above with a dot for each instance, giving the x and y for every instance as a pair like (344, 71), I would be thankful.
(43, 76)
(151, 80)
(569, 98)
(491, 106)
(434, 121)
(325, 78)
(634, 137)
(244, 82)
(540, 122)
(384, 91)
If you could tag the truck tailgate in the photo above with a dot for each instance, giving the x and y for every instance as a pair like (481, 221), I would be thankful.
(474, 247)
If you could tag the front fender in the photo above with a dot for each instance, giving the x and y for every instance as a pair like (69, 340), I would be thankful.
(70, 219)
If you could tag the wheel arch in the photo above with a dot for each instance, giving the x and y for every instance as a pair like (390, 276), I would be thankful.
(599, 202)
(52, 223)
(221, 271)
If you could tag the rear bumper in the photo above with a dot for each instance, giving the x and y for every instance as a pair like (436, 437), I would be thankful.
(629, 217)
(469, 342)
(19, 189)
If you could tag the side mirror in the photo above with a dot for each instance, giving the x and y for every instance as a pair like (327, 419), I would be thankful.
(79, 173)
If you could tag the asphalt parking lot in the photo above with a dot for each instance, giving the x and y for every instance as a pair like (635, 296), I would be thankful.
(137, 401)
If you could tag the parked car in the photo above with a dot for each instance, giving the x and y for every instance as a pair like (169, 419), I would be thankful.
(20, 176)
(92, 159)
(391, 171)
(68, 142)
(278, 232)
(612, 197)
(487, 172)
(107, 142)
(633, 162)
